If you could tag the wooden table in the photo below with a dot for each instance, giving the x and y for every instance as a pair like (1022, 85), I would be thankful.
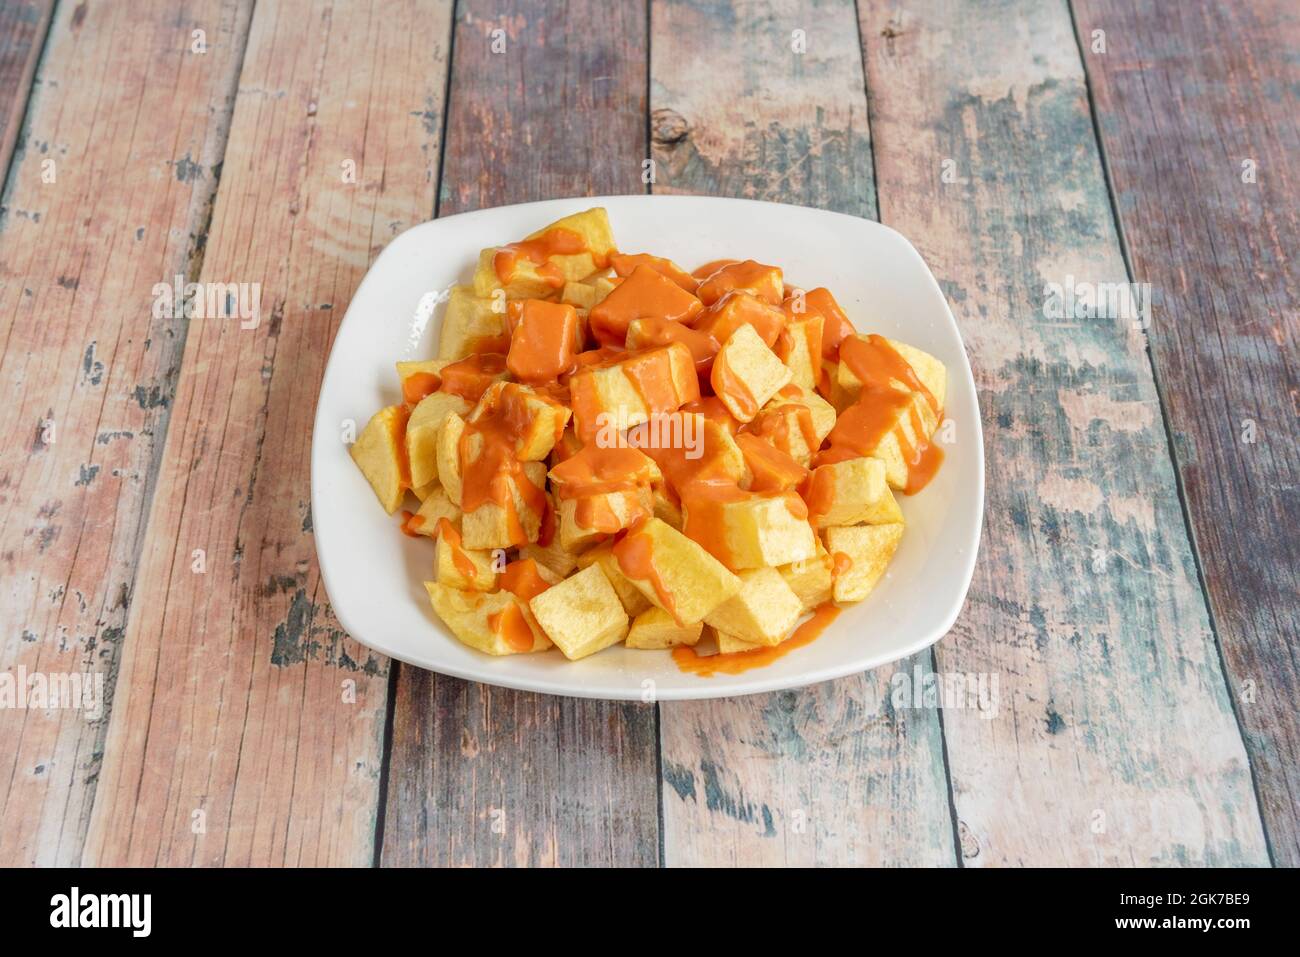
(1136, 592)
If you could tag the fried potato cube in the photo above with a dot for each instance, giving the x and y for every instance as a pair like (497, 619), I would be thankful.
(667, 506)
(731, 645)
(600, 491)
(674, 572)
(789, 428)
(597, 235)
(707, 453)
(420, 378)
(623, 393)
(454, 565)
(810, 578)
(447, 453)
(580, 295)
(537, 421)
(626, 263)
(930, 372)
(422, 433)
(603, 555)
(762, 612)
(860, 554)
(436, 505)
(568, 445)
(471, 324)
(746, 373)
(554, 557)
(568, 249)
(646, 294)
(496, 623)
(544, 339)
(491, 526)
(527, 280)
(582, 614)
(901, 433)
(738, 309)
(750, 529)
(800, 348)
(770, 468)
(655, 628)
(379, 451)
(603, 285)
(822, 413)
(764, 282)
(591, 518)
(649, 333)
(851, 492)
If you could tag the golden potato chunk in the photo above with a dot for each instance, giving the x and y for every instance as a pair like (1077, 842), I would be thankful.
(447, 453)
(534, 421)
(800, 348)
(496, 623)
(674, 572)
(472, 324)
(582, 614)
(655, 628)
(454, 565)
(748, 529)
(603, 555)
(859, 555)
(380, 453)
(538, 266)
(851, 492)
(763, 611)
(810, 578)
(494, 525)
(746, 373)
(436, 505)
(625, 390)
(422, 434)
(645, 294)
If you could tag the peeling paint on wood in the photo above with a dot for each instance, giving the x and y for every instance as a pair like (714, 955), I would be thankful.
(1114, 742)
(23, 26)
(1197, 105)
(74, 310)
(248, 730)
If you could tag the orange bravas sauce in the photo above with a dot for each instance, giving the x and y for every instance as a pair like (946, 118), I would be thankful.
(663, 328)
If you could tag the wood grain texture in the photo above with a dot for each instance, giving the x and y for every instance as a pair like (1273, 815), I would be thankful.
(1114, 741)
(23, 25)
(110, 185)
(831, 774)
(482, 775)
(248, 727)
(1189, 98)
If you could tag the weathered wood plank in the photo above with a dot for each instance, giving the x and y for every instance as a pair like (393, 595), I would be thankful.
(831, 774)
(23, 25)
(1198, 112)
(109, 188)
(482, 775)
(1114, 741)
(248, 728)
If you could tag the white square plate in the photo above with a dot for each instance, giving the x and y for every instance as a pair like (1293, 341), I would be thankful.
(374, 574)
